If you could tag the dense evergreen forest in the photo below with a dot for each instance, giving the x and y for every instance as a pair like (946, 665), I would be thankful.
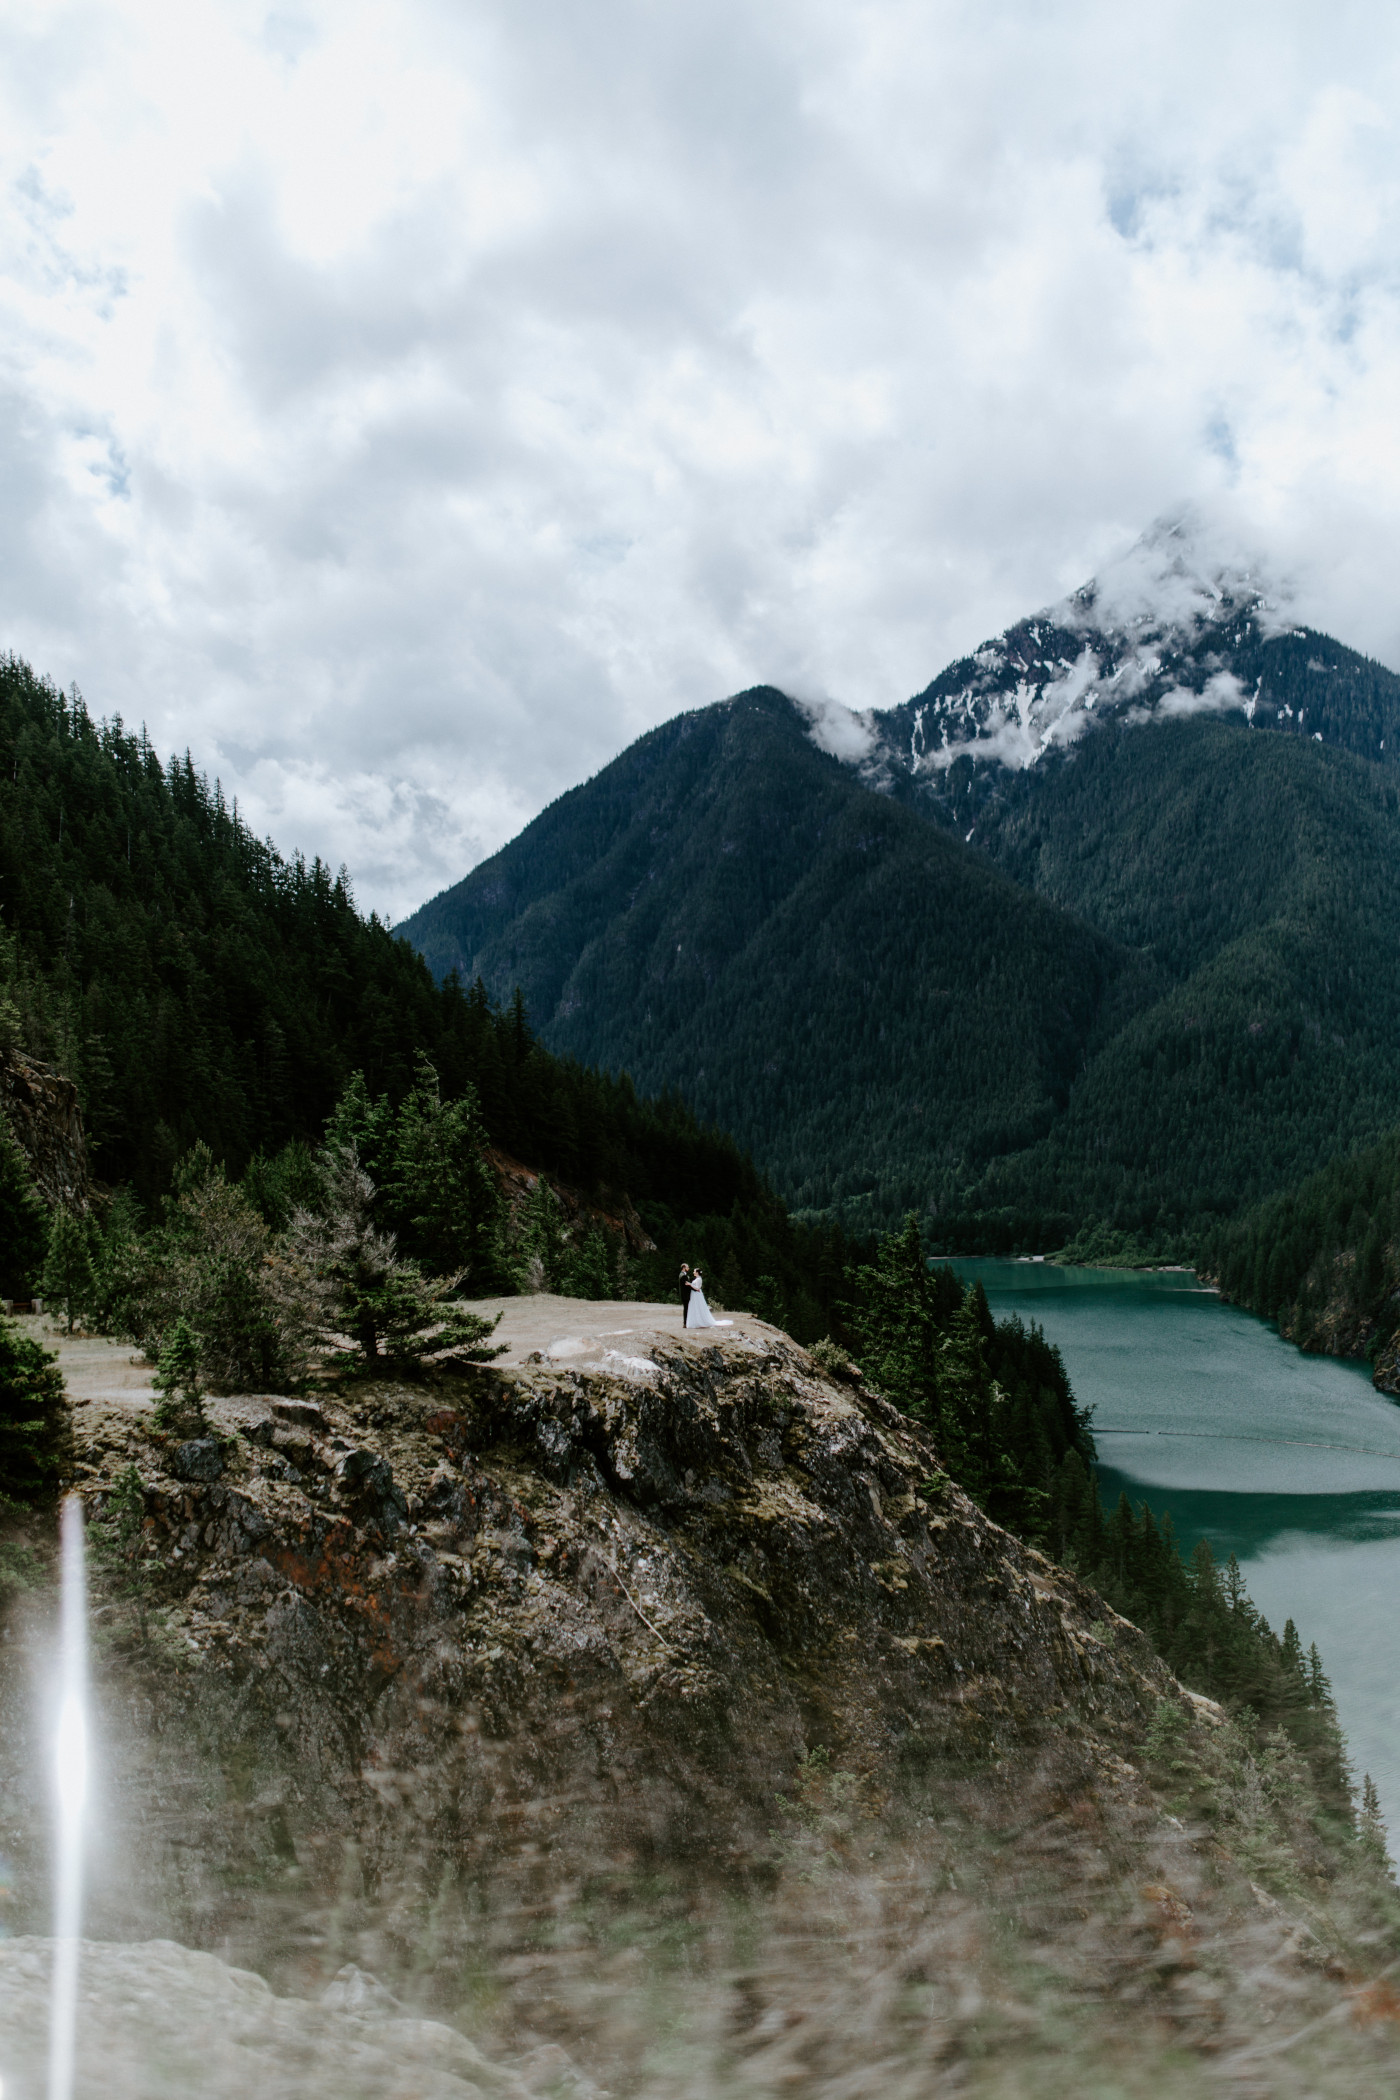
(1259, 875)
(1199, 1617)
(871, 1008)
(202, 990)
(1323, 1259)
(1185, 996)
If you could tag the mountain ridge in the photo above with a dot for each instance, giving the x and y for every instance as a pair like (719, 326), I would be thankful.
(1210, 1012)
(1174, 628)
(724, 867)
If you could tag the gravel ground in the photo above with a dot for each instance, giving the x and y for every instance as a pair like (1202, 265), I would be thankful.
(583, 1330)
(112, 1378)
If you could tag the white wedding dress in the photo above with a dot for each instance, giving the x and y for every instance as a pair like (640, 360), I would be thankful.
(698, 1313)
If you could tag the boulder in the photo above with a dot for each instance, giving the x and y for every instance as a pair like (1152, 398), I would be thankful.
(200, 1459)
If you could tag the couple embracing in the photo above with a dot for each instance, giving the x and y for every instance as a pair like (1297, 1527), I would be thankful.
(694, 1311)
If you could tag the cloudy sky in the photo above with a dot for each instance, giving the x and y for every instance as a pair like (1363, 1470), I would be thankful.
(404, 405)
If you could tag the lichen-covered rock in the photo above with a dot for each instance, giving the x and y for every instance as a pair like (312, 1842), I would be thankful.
(202, 1458)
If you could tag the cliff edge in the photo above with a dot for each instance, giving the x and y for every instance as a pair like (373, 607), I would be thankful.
(449, 1680)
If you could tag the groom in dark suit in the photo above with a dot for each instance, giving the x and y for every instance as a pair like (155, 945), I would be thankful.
(686, 1288)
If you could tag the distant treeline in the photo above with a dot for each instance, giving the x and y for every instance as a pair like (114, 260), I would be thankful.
(1201, 1621)
(202, 989)
(1323, 1259)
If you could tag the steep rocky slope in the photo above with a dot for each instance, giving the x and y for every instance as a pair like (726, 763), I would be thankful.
(527, 1688)
(652, 1591)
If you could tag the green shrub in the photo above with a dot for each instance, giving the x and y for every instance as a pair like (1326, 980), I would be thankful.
(21, 1570)
(35, 1431)
(23, 1222)
(177, 1380)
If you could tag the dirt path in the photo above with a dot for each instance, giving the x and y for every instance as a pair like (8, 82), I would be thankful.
(94, 1367)
(109, 1387)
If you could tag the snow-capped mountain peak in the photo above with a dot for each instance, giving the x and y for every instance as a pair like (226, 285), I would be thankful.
(1157, 634)
(1179, 580)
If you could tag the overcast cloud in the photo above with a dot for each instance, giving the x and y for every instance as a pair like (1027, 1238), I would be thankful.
(407, 404)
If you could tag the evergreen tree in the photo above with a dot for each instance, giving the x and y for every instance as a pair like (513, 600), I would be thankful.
(1371, 1824)
(1319, 1684)
(364, 1124)
(391, 1313)
(442, 1194)
(995, 1395)
(213, 1264)
(896, 1315)
(178, 1380)
(34, 1424)
(121, 1265)
(542, 1250)
(969, 1404)
(68, 1280)
(23, 1223)
(591, 1272)
(283, 1182)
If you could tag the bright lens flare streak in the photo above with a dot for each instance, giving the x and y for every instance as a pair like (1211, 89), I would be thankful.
(70, 1796)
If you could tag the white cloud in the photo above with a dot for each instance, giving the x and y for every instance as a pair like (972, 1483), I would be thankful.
(837, 729)
(1216, 697)
(409, 404)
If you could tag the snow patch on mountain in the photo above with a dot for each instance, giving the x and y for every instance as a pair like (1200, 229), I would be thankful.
(1150, 638)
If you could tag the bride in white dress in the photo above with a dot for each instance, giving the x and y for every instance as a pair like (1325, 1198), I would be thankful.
(698, 1313)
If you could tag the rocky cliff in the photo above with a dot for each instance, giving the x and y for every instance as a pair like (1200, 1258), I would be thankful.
(487, 1683)
(42, 1111)
(660, 1589)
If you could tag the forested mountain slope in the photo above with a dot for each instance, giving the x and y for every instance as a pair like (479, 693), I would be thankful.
(199, 987)
(861, 998)
(883, 1016)
(1167, 754)
(1323, 1259)
(1260, 875)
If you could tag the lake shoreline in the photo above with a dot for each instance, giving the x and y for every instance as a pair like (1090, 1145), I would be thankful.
(1290, 1460)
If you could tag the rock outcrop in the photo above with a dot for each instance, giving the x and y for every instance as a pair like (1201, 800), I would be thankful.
(492, 1685)
(42, 1111)
(417, 1612)
(617, 1218)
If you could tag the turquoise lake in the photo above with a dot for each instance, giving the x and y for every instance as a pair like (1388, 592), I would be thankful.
(1292, 1462)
